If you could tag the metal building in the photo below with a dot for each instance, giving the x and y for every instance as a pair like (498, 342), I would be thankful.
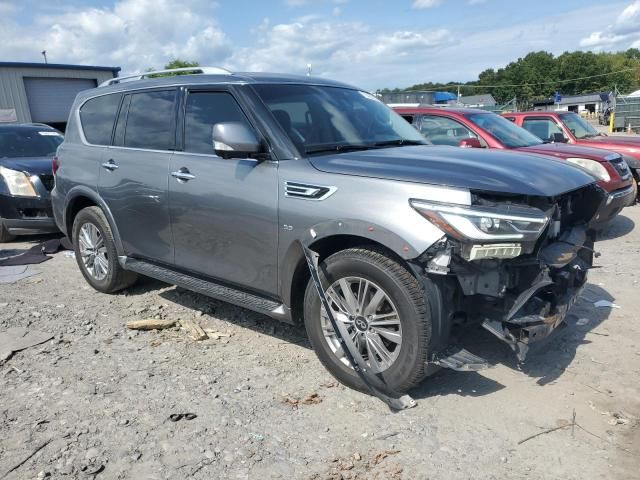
(43, 93)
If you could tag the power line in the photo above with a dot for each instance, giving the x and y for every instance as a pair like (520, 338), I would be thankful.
(446, 87)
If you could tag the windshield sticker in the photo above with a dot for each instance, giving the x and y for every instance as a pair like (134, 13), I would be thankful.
(50, 134)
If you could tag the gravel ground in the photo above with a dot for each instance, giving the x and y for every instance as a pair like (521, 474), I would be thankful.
(101, 395)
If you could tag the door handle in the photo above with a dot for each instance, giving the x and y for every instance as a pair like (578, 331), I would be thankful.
(183, 175)
(110, 165)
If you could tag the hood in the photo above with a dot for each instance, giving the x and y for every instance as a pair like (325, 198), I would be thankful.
(563, 150)
(499, 171)
(623, 140)
(32, 165)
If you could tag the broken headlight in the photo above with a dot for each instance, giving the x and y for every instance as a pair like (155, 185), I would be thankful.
(486, 224)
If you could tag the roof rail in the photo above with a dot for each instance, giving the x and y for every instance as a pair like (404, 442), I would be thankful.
(140, 76)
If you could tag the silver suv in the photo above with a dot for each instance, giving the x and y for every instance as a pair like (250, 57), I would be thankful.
(220, 182)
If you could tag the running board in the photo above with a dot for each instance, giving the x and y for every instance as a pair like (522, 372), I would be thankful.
(460, 360)
(208, 288)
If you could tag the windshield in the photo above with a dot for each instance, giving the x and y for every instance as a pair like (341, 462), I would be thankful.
(28, 142)
(578, 126)
(320, 119)
(506, 132)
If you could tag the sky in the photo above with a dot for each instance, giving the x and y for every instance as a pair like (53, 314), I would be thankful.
(370, 43)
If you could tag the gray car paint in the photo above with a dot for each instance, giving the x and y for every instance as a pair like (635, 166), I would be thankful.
(244, 228)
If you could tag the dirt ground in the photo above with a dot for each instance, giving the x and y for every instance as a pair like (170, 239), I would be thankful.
(101, 395)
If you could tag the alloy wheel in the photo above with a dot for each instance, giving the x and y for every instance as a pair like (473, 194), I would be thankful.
(93, 251)
(370, 317)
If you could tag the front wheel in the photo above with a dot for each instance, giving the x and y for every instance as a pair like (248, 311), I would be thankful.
(383, 308)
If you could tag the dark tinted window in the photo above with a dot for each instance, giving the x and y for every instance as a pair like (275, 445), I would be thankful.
(97, 116)
(28, 142)
(150, 120)
(203, 111)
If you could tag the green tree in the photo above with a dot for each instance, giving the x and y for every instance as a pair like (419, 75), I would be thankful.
(539, 74)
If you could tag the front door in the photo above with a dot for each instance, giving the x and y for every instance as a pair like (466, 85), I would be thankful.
(135, 171)
(223, 210)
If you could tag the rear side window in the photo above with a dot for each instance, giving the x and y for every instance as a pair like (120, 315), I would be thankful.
(151, 120)
(97, 116)
(203, 110)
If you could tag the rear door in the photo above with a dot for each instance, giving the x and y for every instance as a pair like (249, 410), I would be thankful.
(224, 212)
(135, 170)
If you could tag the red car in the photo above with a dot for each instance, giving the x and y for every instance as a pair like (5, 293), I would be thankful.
(473, 128)
(569, 127)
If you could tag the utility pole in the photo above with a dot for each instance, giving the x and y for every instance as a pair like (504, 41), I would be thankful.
(308, 69)
(44, 54)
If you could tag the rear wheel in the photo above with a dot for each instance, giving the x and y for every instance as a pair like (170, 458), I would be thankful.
(96, 252)
(382, 307)
(5, 236)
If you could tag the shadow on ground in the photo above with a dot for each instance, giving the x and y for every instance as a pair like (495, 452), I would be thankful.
(546, 361)
(619, 227)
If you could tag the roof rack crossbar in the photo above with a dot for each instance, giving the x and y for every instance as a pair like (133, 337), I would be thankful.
(140, 76)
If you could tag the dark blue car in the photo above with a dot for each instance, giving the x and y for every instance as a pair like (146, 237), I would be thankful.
(26, 179)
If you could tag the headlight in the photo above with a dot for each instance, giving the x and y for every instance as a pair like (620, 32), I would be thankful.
(485, 223)
(18, 183)
(594, 167)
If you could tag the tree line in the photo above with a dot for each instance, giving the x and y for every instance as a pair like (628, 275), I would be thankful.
(538, 75)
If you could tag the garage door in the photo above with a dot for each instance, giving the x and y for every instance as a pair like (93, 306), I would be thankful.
(50, 99)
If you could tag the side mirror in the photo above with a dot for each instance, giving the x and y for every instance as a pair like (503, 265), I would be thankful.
(559, 138)
(470, 143)
(235, 139)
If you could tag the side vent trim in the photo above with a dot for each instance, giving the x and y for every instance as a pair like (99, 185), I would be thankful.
(307, 191)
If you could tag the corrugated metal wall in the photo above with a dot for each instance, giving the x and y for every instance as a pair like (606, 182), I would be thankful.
(12, 91)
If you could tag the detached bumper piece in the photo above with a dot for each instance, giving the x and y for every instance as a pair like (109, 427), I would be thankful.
(460, 360)
(371, 379)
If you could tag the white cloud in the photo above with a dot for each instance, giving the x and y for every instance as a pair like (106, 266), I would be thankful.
(138, 34)
(350, 51)
(623, 33)
(135, 33)
(426, 3)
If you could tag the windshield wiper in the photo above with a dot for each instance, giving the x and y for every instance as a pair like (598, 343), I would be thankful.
(398, 142)
(337, 148)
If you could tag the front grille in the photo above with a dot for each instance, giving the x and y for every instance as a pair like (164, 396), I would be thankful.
(621, 167)
(48, 181)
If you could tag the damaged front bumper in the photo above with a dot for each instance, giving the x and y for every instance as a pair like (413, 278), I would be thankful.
(523, 300)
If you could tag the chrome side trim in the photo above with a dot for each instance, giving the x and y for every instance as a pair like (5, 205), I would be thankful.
(306, 191)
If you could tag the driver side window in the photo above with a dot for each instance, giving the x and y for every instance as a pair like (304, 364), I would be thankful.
(442, 130)
(543, 128)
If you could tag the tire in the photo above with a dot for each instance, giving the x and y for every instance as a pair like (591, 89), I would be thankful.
(115, 278)
(5, 236)
(405, 294)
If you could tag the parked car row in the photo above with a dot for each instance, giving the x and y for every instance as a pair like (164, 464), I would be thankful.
(474, 128)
